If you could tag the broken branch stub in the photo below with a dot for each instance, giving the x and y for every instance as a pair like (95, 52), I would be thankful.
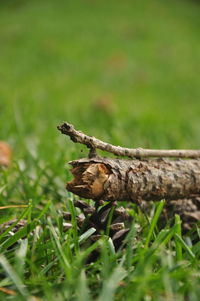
(134, 180)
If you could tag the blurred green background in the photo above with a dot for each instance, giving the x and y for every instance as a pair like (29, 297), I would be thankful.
(125, 71)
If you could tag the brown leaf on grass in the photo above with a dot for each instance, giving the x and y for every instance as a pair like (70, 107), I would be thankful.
(5, 154)
(8, 291)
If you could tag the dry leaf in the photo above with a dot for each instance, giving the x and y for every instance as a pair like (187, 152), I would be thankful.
(5, 154)
(8, 291)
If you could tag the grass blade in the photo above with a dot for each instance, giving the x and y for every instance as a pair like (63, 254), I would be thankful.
(14, 277)
(187, 249)
(154, 222)
(83, 292)
(110, 285)
(178, 245)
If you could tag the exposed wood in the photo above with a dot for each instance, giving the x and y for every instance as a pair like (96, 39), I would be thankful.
(135, 180)
(94, 143)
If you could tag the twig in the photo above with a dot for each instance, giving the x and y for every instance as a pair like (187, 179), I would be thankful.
(13, 206)
(94, 143)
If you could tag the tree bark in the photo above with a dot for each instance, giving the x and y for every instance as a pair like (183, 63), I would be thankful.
(135, 180)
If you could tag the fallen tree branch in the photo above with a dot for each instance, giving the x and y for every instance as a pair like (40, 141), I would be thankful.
(135, 180)
(177, 181)
(94, 143)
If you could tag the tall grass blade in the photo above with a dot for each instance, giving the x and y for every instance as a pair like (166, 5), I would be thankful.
(154, 222)
(178, 245)
(14, 277)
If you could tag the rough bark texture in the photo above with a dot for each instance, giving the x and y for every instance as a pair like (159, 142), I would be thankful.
(135, 180)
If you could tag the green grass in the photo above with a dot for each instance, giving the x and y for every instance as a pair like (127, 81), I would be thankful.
(128, 73)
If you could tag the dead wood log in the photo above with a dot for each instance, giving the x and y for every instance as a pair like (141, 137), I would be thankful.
(135, 180)
(177, 181)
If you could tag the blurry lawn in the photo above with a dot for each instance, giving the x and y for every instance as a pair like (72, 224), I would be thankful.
(125, 71)
(59, 57)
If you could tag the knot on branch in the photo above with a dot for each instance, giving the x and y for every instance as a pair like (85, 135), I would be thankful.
(68, 129)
